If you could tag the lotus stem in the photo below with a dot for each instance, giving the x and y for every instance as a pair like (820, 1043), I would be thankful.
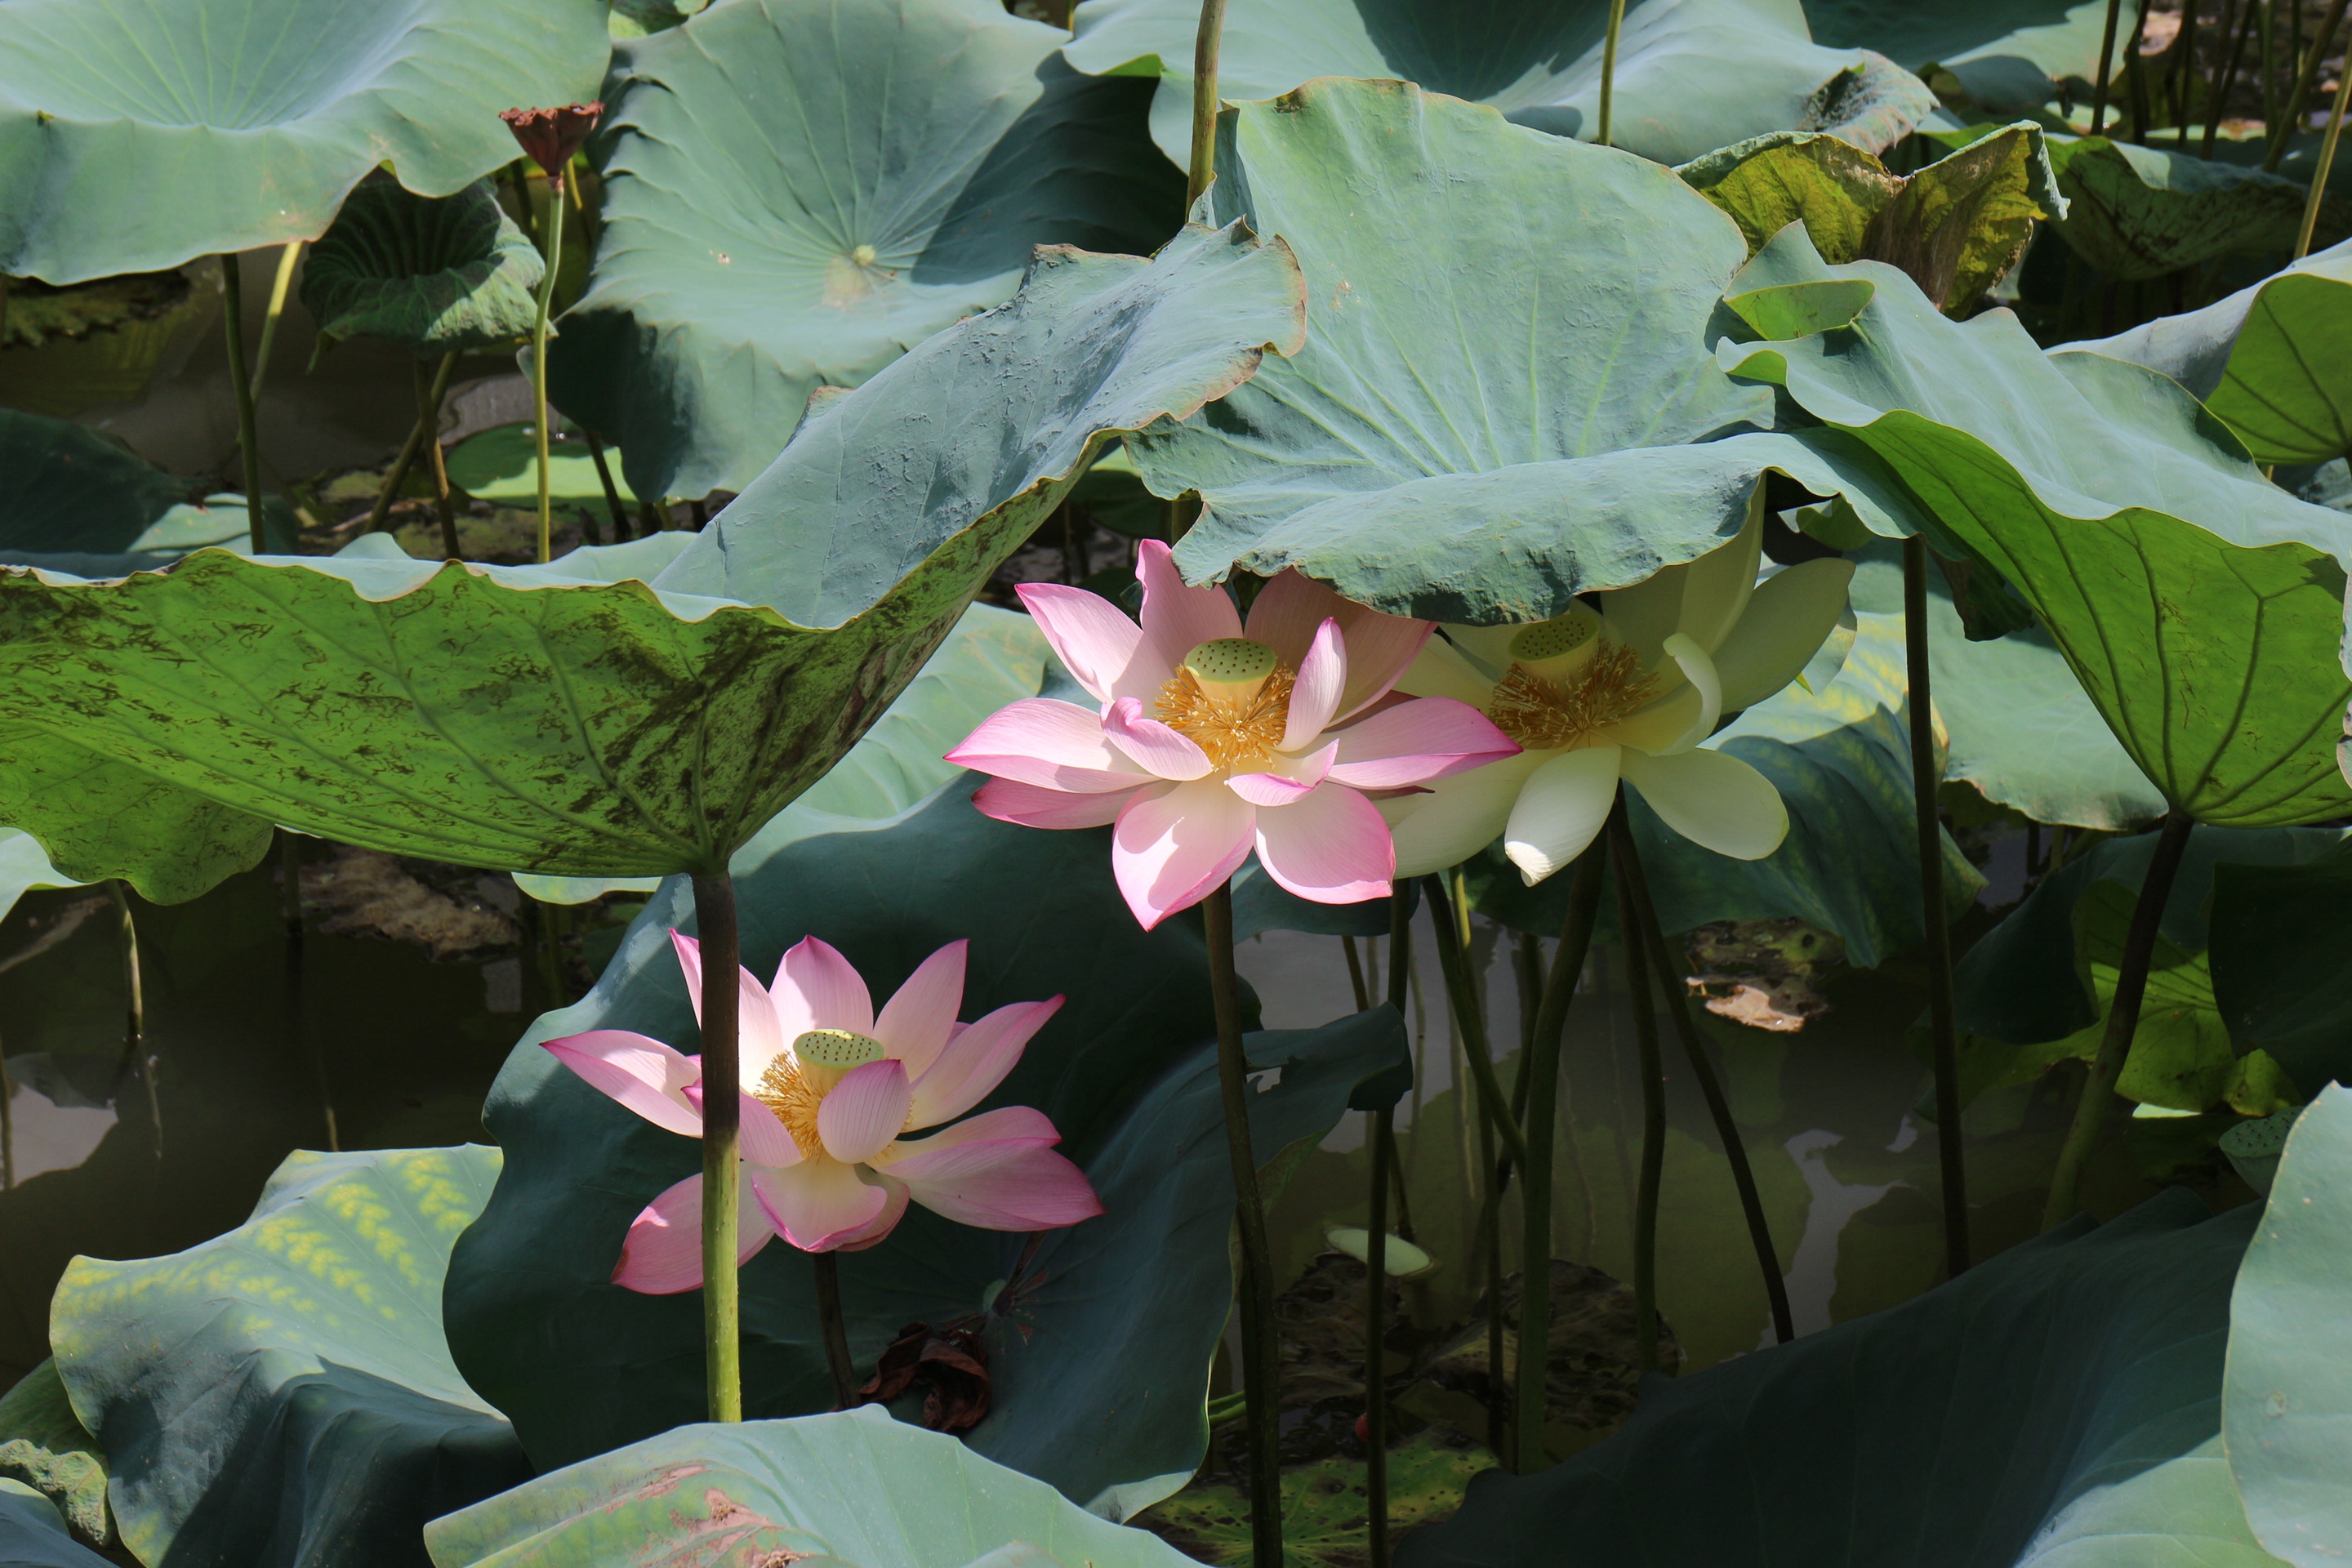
(429, 390)
(542, 417)
(7, 1127)
(2107, 65)
(241, 386)
(1461, 989)
(1376, 1247)
(135, 1016)
(1399, 994)
(2185, 56)
(1942, 1014)
(1260, 1350)
(1543, 1111)
(1609, 69)
(2136, 76)
(1356, 973)
(390, 490)
(1654, 1128)
(2326, 158)
(837, 1330)
(1451, 915)
(1204, 166)
(612, 491)
(2237, 55)
(715, 927)
(1718, 1105)
(2305, 75)
(2123, 1019)
(278, 290)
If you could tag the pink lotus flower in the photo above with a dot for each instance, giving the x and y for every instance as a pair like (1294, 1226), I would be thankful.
(1213, 740)
(828, 1090)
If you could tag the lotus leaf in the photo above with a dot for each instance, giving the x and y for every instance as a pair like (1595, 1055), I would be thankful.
(502, 465)
(798, 192)
(434, 274)
(2198, 605)
(2006, 55)
(69, 487)
(1691, 74)
(2287, 1392)
(32, 1535)
(44, 1446)
(2279, 934)
(2059, 1404)
(1099, 1339)
(593, 727)
(2273, 361)
(850, 1488)
(282, 1395)
(1323, 1502)
(134, 136)
(1955, 228)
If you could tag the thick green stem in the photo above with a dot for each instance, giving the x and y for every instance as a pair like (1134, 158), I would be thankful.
(1401, 989)
(2107, 64)
(1609, 69)
(1654, 1131)
(1943, 1023)
(2123, 1019)
(277, 290)
(241, 385)
(837, 1330)
(1535, 1194)
(390, 490)
(715, 928)
(429, 390)
(2326, 162)
(544, 416)
(1260, 1350)
(1206, 45)
(612, 491)
(1461, 989)
(2309, 73)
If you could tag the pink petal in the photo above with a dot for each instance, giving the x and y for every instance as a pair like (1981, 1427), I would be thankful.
(1332, 847)
(976, 1061)
(765, 1139)
(642, 1074)
(1381, 648)
(885, 1218)
(1289, 608)
(759, 1033)
(819, 1205)
(915, 1023)
(830, 991)
(1271, 789)
(1169, 850)
(860, 1115)
(1414, 742)
(1178, 619)
(998, 1172)
(1039, 741)
(1095, 639)
(662, 1253)
(1152, 744)
(1322, 676)
(1033, 807)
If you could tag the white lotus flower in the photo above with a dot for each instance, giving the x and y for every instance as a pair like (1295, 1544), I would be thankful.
(1628, 692)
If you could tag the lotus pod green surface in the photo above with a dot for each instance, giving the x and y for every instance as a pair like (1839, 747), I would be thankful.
(135, 135)
(434, 274)
(573, 718)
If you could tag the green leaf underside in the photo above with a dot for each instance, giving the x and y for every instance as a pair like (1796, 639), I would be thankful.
(1098, 1349)
(2279, 934)
(841, 1489)
(557, 720)
(159, 134)
(1691, 74)
(69, 487)
(798, 192)
(2288, 1392)
(434, 275)
(2273, 362)
(294, 1366)
(2177, 582)
(2059, 1405)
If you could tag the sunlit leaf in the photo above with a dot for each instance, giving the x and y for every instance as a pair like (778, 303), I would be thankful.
(282, 1395)
(502, 465)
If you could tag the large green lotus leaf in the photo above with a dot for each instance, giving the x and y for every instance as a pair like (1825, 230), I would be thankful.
(2200, 605)
(501, 465)
(1691, 74)
(1956, 227)
(282, 1395)
(2006, 55)
(134, 136)
(33, 1534)
(2279, 935)
(2056, 1405)
(1476, 430)
(799, 191)
(2288, 1394)
(554, 719)
(2020, 728)
(1099, 1346)
(851, 1487)
(2274, 361)
(434, 274)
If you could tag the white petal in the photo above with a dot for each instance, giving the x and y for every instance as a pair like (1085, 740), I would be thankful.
(1716, 801)
(1785, 624)
(1716, 590)
(1561, 809)
(1456, 816)
(1700, 670)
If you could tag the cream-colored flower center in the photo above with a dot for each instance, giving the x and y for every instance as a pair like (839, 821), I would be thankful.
(796, 1082)
(1547, 711)
(1232, 699)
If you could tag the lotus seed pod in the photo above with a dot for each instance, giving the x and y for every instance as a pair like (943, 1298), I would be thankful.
(1550, 647)
(839, 1050)
(1231, 666)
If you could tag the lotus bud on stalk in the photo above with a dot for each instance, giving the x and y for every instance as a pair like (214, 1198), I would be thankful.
(549, 137)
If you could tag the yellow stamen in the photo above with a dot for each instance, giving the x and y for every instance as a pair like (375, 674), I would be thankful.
(785, 1090)
(1545, 716)
(1231, 732)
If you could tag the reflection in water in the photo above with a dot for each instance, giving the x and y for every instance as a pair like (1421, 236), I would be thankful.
(1812, 1273)
(43, 1135)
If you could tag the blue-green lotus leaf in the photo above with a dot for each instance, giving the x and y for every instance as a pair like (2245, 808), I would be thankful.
(134, 136)
(33, 1534)
(1691, 74)
(1099, 1344)
(2006, 57)
(799, 191)
(282, 1396)
(434, 274)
